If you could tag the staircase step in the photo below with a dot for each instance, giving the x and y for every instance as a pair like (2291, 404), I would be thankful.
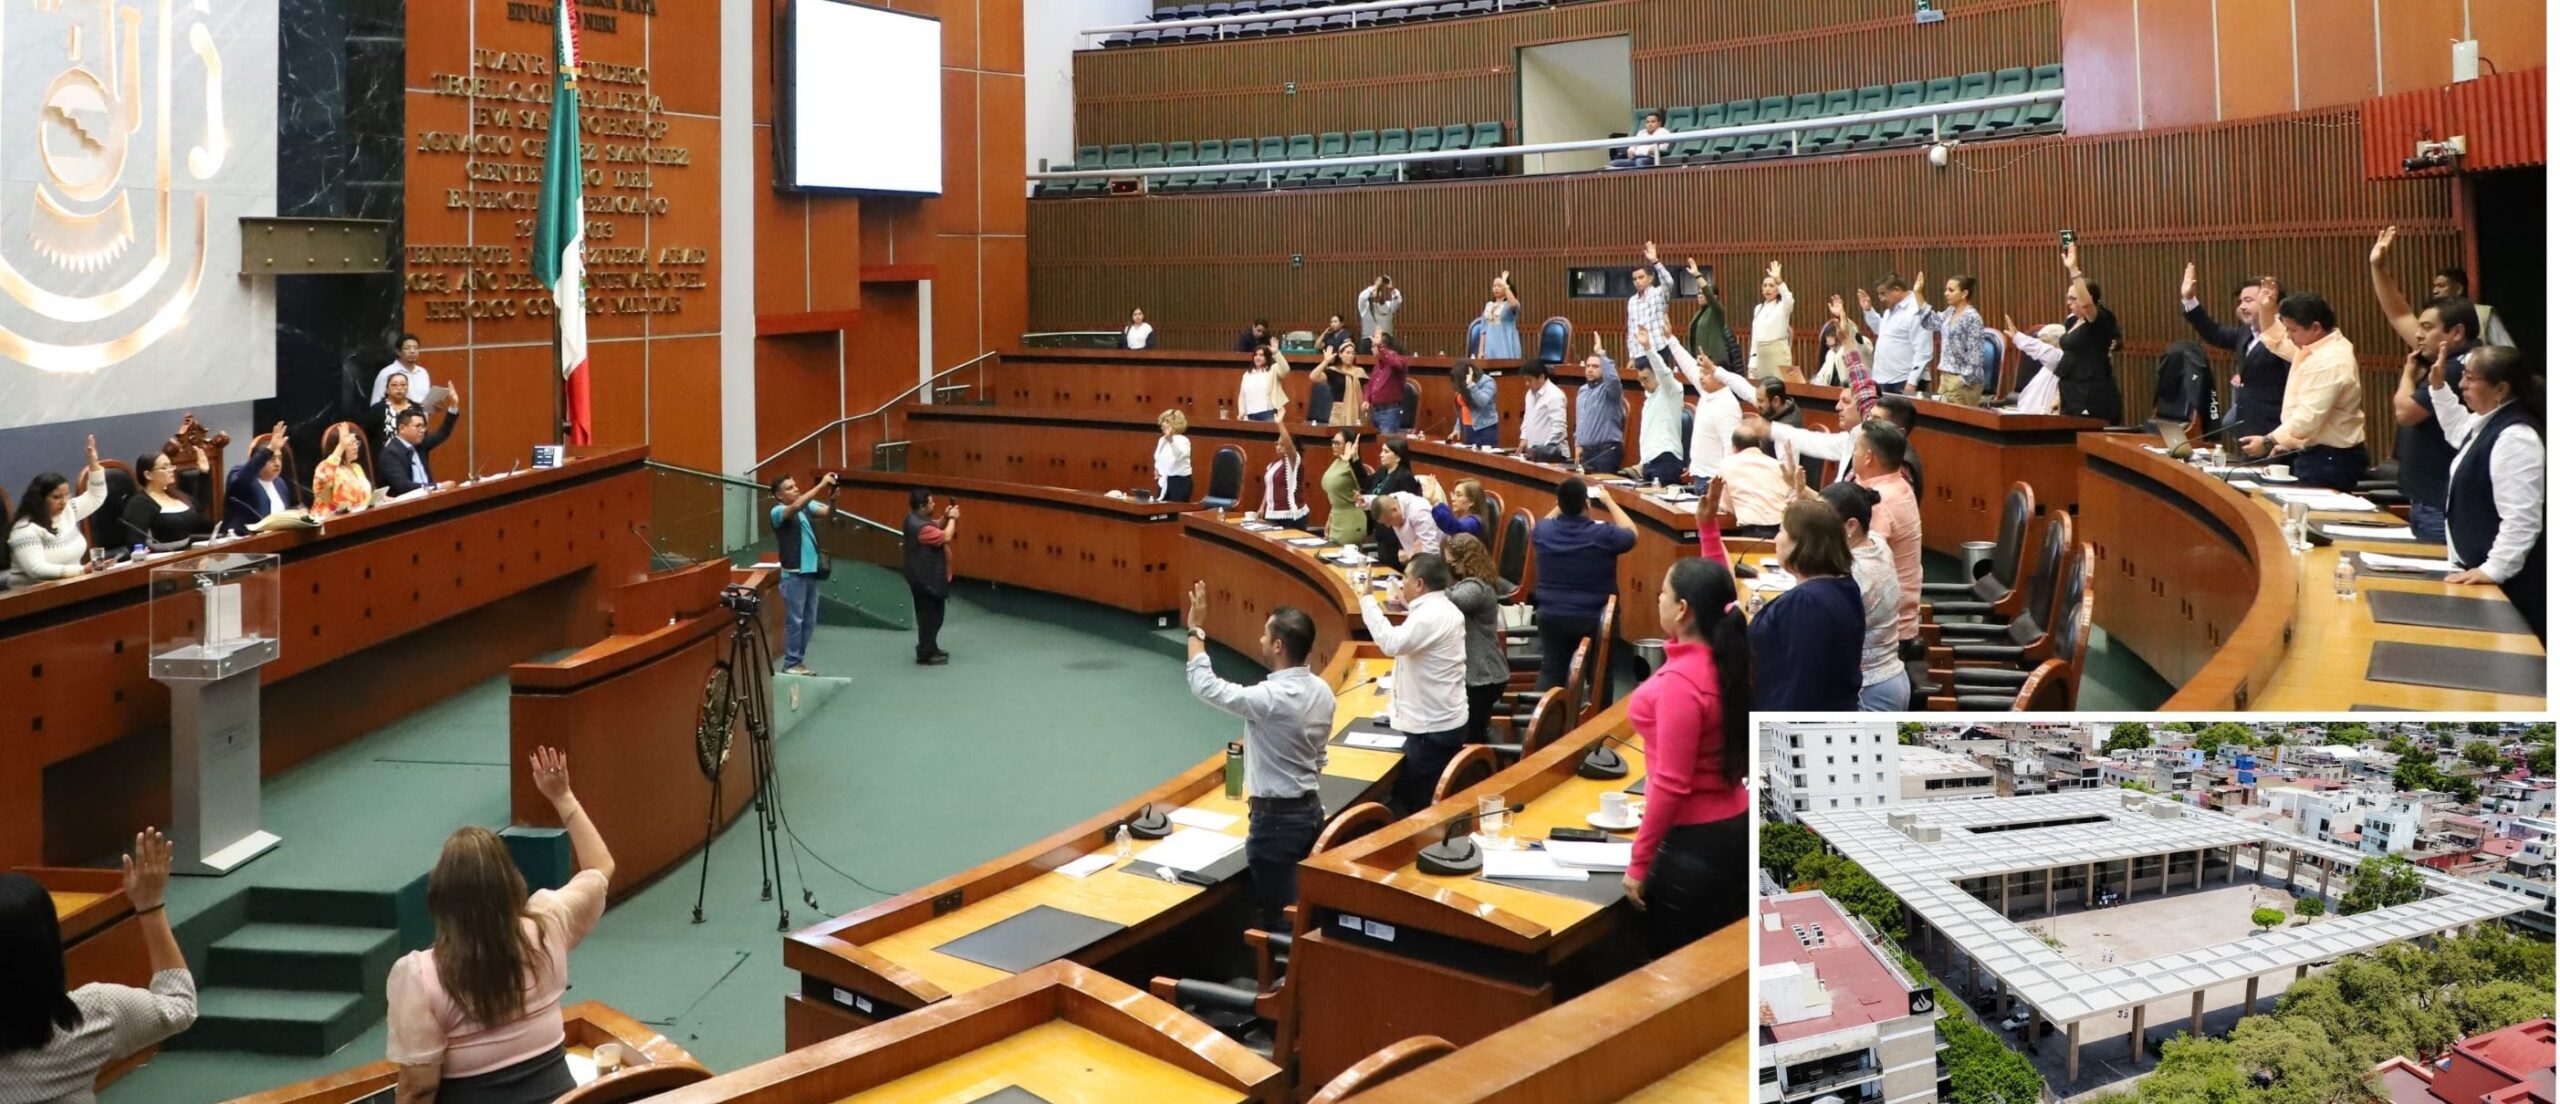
(351, 907)
(296, 1022)
(303, 956)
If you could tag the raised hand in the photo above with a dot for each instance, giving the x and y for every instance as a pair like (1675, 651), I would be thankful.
(2187, 282)
(551, 775)
(146, 870)
(1920, 284)
(2071, 258)
(1651, 254)
(1775, 269)
(1693, 266)
(2382, 245)
(2008, 326)
(1196, 610)
(1841, 312)
(93, 450)
(1866, 302)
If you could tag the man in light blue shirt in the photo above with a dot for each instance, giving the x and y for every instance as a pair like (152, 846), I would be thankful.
(795, 545)
(1904, 344)
(1288, 716)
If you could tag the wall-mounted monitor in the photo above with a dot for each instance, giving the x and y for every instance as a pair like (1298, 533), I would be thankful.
(1619, 281)
(858, 103)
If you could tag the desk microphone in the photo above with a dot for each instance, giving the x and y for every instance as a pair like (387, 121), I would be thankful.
(2187, 448)
(1603, 764)
(1150, 824)
(1456, 853)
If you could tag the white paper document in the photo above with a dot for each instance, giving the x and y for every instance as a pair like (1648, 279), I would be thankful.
(1530, 864)
(2322, 499)
(1191, 849)
(1200, 818)
(1099, 860)
(1380, 741)
(2368, 532)
(2380, 562)
(1615, 855)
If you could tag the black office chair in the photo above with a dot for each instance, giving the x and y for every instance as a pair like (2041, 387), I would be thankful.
(1993, 591)
(1319, 402)
(2057, 675)
(1555, 342)
(1412, 406)
(1512, 551)
(1226, 479)
(2022, 640)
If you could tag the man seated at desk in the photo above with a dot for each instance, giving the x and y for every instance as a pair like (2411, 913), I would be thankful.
(1288, 716)
(404, 456)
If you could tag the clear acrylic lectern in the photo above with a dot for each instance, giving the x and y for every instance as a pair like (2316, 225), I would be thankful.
(214, 622)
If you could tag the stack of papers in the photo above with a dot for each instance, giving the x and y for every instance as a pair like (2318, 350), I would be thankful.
(1537, 865)
(1381, 741)
(2368, 532)
(1306, 542)
(2321, 498)
(2380, 562)
(1087, 865)
(1191, 850)
(1200, 818)
(1614, 855)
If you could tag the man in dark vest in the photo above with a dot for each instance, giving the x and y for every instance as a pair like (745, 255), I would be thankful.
(795, 545)
(928, 542)
(2496, 495)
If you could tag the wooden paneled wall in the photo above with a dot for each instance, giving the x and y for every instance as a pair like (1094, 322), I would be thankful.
(1466, 70)
(2281, 195)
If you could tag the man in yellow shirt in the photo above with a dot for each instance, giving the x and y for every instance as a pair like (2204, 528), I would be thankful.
(2321, 433)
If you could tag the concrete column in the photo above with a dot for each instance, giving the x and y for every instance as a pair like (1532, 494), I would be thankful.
(2128, 879)
(2249, 1004)
(2049, 872)
(2292, 863)
(2137, 1034)
(2302, 971)
(2004, 895)
(2195, 1020)
(2165, 864)
(2324, 880)
(2088, 884)
(2231, 873)
(2004, 1000)
(2199, 868)
(2071, 1055)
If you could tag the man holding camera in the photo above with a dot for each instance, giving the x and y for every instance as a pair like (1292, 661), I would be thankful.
(927, 538)
(795, 542)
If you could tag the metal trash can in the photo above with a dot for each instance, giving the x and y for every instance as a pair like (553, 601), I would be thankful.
(1649, 652)
(1976, 558)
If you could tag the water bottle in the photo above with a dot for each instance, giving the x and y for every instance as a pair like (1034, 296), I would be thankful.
(1120, 841)
(2346, 576)
(1235, 772)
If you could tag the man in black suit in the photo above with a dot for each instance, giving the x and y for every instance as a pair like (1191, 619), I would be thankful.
(2257, 389)
(404, 456)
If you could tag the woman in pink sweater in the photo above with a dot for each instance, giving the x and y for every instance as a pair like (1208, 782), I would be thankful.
(1691, 870)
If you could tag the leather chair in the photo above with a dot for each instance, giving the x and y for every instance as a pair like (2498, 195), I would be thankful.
(105, 528)
(2050, 683)
(1412, 407)
(1546, 721)
(1994, 592)
(1515, 554)
(1226, 479)
(1397, 1060)
(1472, 765)
(1555, 342)
(2029, 640)
(2033, 616)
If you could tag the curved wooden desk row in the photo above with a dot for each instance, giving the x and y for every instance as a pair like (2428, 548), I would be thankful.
(1970, 455)
(652, 1064)
(960, 447)
(1454, 956)
(2194, 576)
(624, 709)
(465, 581)
(1061, 1032)
(1677, 1029)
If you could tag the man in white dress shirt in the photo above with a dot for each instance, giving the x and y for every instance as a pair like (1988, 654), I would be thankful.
(421, 389)
(1428, 704)
(1904, 344)
(1542, 427)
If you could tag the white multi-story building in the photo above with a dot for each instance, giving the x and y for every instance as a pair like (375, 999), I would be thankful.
(1839, 1019)
(2388, 829)
(1815, 766)
(2528, 797)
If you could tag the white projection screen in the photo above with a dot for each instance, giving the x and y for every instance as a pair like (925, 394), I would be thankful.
(133, 138)
(862, 100)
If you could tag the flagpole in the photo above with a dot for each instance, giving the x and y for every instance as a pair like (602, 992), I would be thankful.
(559, 386)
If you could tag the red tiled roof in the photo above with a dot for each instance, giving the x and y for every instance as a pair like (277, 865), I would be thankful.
(2501, 847)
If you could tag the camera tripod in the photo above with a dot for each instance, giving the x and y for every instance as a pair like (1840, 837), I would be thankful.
(736, 694)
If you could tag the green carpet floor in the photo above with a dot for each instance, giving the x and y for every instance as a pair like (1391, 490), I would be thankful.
(1049, 710)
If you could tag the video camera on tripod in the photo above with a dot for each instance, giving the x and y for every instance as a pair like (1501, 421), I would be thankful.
(741, 600)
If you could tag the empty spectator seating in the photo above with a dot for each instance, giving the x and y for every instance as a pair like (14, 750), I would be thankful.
(1811, 119)
(1260, 18)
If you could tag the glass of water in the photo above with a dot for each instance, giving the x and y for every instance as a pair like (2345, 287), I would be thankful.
(1493, 816)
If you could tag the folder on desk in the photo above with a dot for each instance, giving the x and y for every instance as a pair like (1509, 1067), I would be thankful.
(1191, 849)
(1027, 939)
(1339, 793)
(1369, 727)
(1215, 873)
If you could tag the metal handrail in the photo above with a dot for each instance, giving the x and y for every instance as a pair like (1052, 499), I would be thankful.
(1668, 138)
(883, 409)
(833, 513)
(1224, 21)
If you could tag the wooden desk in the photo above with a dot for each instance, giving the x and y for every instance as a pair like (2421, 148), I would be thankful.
(1969, 456)
(2194, 576)
(625, 708)
(1067, 1033)
(1067, 541)
(1100, 452)
(1677, 1029)
(1251, 574)
(465, 581)
(882, 961)
(590, 1024)
(1452, 956)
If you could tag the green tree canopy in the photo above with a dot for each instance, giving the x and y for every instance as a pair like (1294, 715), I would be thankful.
(2381, 882)
(2126, 735)
(2219, 733)
(2417, 772)
(2481, 754)
(2266, 917)
(1782, 845)
(2310, 906)
(1908, 732)
(2538, 760)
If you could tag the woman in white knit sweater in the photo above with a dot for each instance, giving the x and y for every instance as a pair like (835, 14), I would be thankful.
(45, 541)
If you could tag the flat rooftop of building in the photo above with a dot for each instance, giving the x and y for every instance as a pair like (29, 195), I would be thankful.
(2014, 834)
(1920, 761)
(1812, 931)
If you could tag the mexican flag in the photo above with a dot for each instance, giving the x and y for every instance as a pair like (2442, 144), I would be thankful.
(559, 230)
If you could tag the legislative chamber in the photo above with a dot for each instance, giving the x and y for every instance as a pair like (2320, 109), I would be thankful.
(806, 551)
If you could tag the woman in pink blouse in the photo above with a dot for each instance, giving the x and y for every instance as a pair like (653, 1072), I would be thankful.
(1691, 868)
(475, 1019)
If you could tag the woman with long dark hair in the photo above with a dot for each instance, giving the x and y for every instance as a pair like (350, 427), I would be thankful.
(475, 1019)
(1344, 521)
(1690, 870)
(54, 1041)
(158, 514)
(1478, 595)
(2494, 501)
(1807, 641)
(45, 541)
